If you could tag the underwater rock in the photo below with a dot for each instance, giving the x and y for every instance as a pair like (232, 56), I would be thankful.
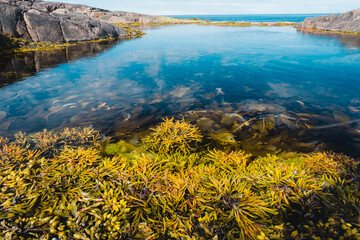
(5, 126)
(341, 117)
(77, 118)
(179, 91)
(258, 106)
(289, 121)
(271, 148)
(228, 119)
(121, 147)
(2, 115)
(224, 138)
(205, 124)
(158, 100)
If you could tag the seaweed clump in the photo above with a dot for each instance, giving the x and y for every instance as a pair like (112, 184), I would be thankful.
(172, 136)
(85, 191)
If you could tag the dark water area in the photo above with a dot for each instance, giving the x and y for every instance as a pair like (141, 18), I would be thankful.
(261, 89)
(15, 67)
(251, 17)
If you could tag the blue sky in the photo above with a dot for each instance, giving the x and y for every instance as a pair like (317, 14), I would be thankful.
(188, 7)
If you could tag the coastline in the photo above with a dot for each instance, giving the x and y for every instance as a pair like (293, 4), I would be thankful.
(324, 32)
(244, 170)
(28, 46)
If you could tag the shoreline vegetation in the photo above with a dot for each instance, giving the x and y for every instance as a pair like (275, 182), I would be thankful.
(174, 21)
(72, 184)
(133, 31)
(174, 183)
(315, 30)
(27, 45)
(131, 28)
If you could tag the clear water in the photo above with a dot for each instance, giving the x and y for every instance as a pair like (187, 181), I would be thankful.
(251, 17)
(175, 69)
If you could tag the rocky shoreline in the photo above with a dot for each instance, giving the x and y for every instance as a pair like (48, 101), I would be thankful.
(348, 22)
(38, 21)
(52, 22)
(32, 21)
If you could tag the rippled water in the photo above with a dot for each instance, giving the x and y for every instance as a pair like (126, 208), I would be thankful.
(306, 83)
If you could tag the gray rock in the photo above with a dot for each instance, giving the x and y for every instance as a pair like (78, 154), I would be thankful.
(349, 22)
(43, 27)
(10, 21)
(54, 22)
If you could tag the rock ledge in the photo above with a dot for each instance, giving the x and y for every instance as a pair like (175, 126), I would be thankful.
(346, 22)
(40, 21)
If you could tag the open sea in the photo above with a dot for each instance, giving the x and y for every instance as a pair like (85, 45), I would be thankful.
(251, 17)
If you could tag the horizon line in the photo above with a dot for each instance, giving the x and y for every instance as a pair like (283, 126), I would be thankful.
(211, 14)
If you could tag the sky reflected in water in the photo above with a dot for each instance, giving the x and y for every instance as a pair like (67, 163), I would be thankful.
(176, 69)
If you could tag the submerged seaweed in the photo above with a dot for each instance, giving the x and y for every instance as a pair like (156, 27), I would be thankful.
(66, 185)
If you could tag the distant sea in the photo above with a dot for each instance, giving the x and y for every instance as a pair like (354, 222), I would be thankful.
(251, 17)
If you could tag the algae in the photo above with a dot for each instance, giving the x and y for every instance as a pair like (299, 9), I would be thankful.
(24, 45)
(174, 21)
(63, 185)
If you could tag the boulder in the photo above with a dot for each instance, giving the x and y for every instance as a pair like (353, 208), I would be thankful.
(346, 22)
(54, 22)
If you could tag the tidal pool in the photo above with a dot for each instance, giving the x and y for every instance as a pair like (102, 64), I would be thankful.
(256, 88)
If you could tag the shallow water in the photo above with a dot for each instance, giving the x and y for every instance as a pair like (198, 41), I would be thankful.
(308, 85)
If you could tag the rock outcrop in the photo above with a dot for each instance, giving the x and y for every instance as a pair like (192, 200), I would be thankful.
(346, 22)
(55, 22)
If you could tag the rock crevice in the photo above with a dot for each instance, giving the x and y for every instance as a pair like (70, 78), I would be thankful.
(54, 22)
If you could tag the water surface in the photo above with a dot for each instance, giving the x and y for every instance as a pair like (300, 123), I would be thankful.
(308, 85)
(251, 17)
